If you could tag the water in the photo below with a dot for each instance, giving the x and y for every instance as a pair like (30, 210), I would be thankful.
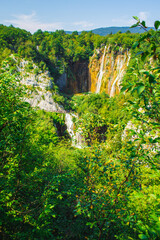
(77, 139)
(120, 71)
(69, 124)
(99, 82)
(129, 57)
(118, 78)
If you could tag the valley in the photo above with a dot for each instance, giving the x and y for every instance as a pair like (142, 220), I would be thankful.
(79, 135)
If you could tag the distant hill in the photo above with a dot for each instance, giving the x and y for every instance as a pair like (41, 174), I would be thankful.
(108, 30)
(113, 30)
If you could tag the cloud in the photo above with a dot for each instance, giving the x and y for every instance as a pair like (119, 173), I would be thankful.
(126, 21)
(143, 16)
(83, 25)
(32, 24)
(122, 21)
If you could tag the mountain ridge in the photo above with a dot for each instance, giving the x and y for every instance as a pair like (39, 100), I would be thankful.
(103, 31)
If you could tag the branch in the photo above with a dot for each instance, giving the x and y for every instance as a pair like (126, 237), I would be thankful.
(3, 126)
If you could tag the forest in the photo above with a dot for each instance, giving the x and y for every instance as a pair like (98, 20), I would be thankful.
(103, 184)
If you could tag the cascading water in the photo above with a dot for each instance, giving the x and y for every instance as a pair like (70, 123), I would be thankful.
(129, 57)
(118, 78)
(120, 70)
(101, 73)
(69, 124)
(77, 140)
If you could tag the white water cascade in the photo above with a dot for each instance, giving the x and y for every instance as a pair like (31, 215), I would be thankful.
(129, 57)
(77, 140)
(119, 76)
(99, 82)
(120, 71)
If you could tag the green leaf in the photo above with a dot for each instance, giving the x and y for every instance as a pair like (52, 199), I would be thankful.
(141, 52)
(136, 44)
(136, 18)
(155, 68)
(152, 79)
(142, 236)
(90, 224)
(60, 197)
(157, 24)
(148, 35)
(134, 89)
(128, 87)
(143, 24)
(145, 72)
(144, 55)
(155, 140)
(134, 25)
(140, 89)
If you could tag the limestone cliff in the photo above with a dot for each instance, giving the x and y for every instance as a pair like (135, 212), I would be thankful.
(111, 66)
(38, 86)
(104, 72)
(39, 94)
(76, 79)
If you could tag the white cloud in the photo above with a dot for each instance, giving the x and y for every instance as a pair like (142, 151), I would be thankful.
(122, 21)
(126, 21)
(83, 25)
(32, 24)
(143, 16)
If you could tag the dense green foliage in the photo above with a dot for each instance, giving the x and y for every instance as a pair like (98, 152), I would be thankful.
(109, 189)
(56, 51)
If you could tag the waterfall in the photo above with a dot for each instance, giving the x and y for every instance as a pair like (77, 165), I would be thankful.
(117, 79)
(69, 124)
(100, 73)
(129, 57)
(77, 140)
(113, 88)
(120, 71)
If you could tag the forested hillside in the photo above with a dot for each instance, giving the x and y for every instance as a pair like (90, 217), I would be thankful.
(112, 30)
(79, 135)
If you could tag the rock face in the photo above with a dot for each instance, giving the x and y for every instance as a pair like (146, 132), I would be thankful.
(43, 100)
(39, 86)
(39, 94)
(76, 79)
(114, 67)
(104, 72)
(62, 82)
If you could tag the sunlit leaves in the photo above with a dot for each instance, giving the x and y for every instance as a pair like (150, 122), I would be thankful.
(140, 89)
(49, 189)
(136, 18)
(157, 24)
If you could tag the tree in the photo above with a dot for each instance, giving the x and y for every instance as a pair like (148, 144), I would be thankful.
(14, 119)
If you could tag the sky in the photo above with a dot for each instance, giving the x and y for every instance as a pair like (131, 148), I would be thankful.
(71, 15)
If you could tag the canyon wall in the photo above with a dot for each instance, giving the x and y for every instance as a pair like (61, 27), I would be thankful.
(38, 85)
(109, 67)
(103, 73)
(76, 79)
